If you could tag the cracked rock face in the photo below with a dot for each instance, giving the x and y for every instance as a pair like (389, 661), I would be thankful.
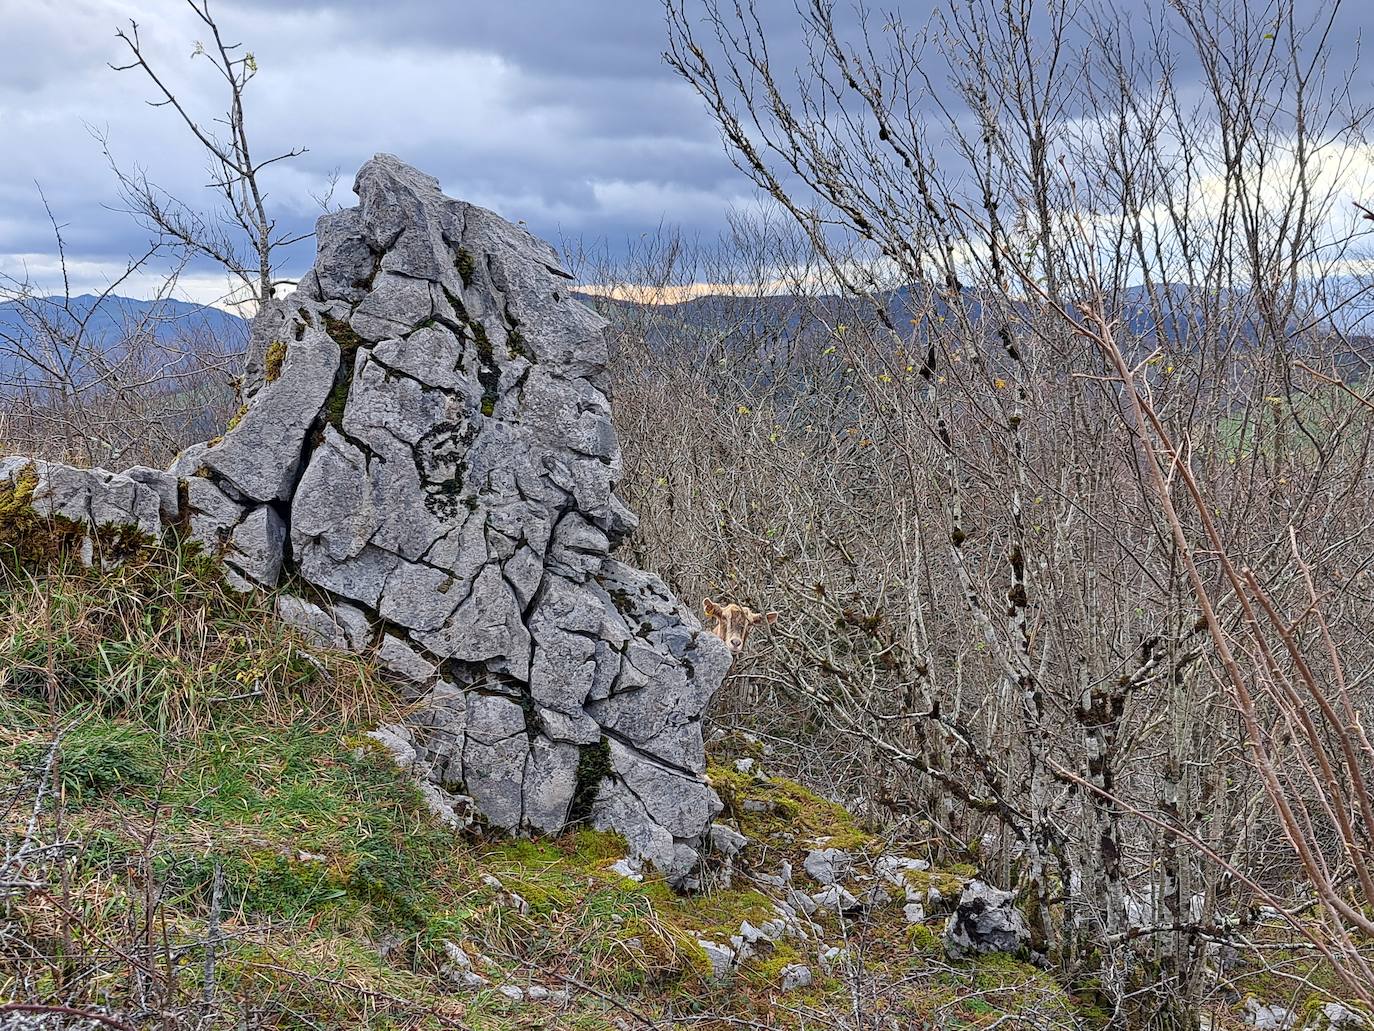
(427, 442)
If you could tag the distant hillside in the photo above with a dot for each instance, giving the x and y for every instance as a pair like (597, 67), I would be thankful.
(108, 326)
(741, 324)
(773, 327)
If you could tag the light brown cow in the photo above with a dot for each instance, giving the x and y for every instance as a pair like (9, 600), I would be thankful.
(733, 622)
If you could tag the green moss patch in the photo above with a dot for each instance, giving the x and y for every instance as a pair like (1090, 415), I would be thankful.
(25, 536)
(785, 814)
(31, 540)
(466, 265)
(273, 360)
(349, 342)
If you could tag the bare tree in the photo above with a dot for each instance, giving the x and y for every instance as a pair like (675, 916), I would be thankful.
(243, 236)
(997, 602)
(99, 380)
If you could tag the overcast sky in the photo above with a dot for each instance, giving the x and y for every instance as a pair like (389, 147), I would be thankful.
(558, 112)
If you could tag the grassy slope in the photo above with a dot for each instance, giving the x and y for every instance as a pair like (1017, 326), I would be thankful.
(200, 736)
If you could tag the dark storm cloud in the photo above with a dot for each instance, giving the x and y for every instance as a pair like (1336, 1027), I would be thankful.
(561, 114)
(558, 112)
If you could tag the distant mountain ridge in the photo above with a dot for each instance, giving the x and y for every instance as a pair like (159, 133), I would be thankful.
(1171, 315)
(109, 317)
(108, 320)
(87, 326)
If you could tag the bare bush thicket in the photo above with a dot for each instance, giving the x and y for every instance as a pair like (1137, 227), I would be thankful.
(92, 381)
(1098, 612)
(95, 380)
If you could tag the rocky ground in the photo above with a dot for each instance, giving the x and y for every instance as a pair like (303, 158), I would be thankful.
(226, 815)
(351, 718)
(219, 783)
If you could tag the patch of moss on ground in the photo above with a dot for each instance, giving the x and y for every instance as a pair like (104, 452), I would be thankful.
(792, 819)
(948, 881)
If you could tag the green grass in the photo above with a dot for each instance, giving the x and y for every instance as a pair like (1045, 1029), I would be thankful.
(96, 754)
(202, 744)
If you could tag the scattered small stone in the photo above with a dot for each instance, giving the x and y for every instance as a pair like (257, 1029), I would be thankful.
(744, 950)
(745, 765)
(536, 993)
(795, 975)
(801, 902)
(457, 957)
(457, 811)
(833, 957)
(397, 741)
(779, 880)
(835, 897)
(726, 841)
(1269, 1017)
(1340, 1017)
(893, 869)
(746, 941)
(749, 932)
(627, 868)
(827, 865)
(875, 895)
(459, 968)
(915, 913)
(757, 805)
(721, 956)
(985, 921)
(513, 992)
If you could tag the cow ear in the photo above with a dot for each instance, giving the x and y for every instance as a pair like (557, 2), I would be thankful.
(770, 618)
(711, 609)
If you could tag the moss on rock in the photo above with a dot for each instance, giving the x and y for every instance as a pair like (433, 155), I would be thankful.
(28, 538)
(273, 360)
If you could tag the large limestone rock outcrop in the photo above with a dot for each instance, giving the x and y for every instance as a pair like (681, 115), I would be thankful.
(427, 443)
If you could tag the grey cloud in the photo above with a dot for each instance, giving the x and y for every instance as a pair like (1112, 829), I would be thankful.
(558, 112)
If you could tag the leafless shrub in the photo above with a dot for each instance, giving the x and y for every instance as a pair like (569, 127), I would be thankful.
(97, 380)
(982, 595)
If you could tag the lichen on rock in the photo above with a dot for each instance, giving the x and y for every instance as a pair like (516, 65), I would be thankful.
(426, 446)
